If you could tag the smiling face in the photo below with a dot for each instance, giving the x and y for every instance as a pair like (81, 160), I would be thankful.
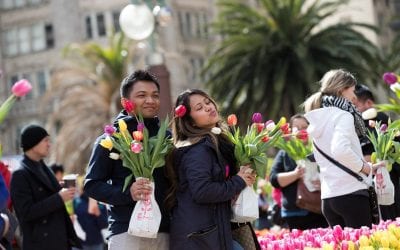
(146, 97)
(203, 111)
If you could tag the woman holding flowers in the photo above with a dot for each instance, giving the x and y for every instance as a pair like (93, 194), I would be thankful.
(284, 175)
(335, 126)
(203, 175)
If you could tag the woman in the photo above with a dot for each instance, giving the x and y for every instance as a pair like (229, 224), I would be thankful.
(335, 126)
(201, 169)
(284, 175)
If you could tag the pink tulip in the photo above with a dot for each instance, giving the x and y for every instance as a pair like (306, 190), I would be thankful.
(390, 78)
(136, 147)
(109, 129)
(21, 88)
(257, 118)
(140, 126)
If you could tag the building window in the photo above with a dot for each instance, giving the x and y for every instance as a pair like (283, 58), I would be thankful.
(88, 24)
(13, 79)
(193, 25)
(24, 40)
(11, 4)
(41, 82)
(101, 26)
(48, 29)
(115, 18)
(196, 67)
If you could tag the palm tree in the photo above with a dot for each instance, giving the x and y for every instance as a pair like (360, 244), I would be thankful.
(85, 95)
(270, 56)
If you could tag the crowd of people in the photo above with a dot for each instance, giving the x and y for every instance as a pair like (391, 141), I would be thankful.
(196, 188)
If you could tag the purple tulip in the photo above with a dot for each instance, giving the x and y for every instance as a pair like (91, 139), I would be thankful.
(109, 129)
(257, 118)
(383, 128)
(140, 126)
(390, 78)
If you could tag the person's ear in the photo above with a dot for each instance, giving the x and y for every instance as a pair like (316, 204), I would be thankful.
(122, 101)
(370, 103)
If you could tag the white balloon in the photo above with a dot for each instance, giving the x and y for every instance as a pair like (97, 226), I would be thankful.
(137, 21)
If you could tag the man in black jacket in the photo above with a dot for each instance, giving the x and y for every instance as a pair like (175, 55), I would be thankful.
(38, 198)
(105, 178)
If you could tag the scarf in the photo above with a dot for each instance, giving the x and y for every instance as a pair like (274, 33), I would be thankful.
(343, 104)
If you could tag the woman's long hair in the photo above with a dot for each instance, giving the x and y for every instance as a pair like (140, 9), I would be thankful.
(184, 129)
(332, 83)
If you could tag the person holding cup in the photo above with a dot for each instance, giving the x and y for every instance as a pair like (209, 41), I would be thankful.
(39, 199)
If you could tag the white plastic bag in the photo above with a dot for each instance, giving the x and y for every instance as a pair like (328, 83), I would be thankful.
(146, 218)
(311, 175)
(245, 208)
(384, 187)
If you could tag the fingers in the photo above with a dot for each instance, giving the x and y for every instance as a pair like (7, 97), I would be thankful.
(141, 190)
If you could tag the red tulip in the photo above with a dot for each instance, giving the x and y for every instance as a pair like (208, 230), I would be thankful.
(137, 135)
(265, 139)
(180, 111)
(259, 126)
(390, 78)
(232, 120)
(21, 88)
(285, 128)
(128, 105)
(302, 135)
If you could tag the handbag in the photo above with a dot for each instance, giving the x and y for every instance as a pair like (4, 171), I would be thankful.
(244, 234)
(8, 236)
(307, 200)
(373, 200)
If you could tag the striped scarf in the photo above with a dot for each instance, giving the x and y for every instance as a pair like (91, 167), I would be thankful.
(344, 104)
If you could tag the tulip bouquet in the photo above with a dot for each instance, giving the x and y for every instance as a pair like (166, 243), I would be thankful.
(19, 89)
(296, 144)
(138, 152)
(251, 147)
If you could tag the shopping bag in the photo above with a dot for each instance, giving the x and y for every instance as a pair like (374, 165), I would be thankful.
(146, 218)
(245, 207)
(384, 187)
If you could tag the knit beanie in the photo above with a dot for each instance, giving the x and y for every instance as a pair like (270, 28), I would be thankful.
(31, 136)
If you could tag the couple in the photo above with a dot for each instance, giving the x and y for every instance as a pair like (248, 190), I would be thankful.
(196, 198)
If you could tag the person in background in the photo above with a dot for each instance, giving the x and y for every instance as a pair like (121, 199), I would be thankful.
(4, 219)
(263, 205)
(365, 100)
(58, 171)
(91, 224)
(38, 198)
(105, 177)
(203, 175)
(284, 175)
(335, 126)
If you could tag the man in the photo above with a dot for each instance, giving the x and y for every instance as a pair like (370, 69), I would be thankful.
(365, 101)
(105, 177)
(38, 198)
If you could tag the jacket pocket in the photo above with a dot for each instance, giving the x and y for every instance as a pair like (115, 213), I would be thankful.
(206, 238)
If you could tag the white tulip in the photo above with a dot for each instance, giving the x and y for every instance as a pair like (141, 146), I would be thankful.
(369, 114)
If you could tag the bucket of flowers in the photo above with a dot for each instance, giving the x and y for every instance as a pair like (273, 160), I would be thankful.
(141, 155)
(250, 149)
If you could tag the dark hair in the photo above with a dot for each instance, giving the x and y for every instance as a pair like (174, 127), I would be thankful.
(297, 116)
(57, 168)
(363, 93)
(139, 75)
(183, 128)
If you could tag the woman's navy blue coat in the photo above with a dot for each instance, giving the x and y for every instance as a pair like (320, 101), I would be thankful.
(201, 218)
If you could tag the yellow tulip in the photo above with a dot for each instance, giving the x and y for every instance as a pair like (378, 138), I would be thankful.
(327, 246)
(351, 245)
(107, 143)
(122, 125)
(282, 120)
(385, 241)
(364, 241)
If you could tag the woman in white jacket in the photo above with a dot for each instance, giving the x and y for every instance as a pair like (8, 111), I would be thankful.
(336, 126)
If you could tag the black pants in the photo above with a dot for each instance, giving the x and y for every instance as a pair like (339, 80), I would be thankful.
(350, 210)
(311, 220)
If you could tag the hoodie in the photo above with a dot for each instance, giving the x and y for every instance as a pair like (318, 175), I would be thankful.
(105, 178)
(333, 131)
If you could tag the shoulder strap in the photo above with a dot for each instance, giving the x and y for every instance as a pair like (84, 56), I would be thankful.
(338, 164)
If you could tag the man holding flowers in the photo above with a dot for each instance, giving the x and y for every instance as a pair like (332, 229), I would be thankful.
(106, 176)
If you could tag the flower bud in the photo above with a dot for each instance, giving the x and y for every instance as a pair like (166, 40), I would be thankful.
(180, 111)
(257, 118)
(21, 88)
(389, 78)
(232, 120)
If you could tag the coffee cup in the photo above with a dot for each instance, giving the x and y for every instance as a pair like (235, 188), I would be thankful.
(69, 180)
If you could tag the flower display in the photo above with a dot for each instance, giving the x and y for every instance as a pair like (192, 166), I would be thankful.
(138, 152)
(386, 235)
(250, 148)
